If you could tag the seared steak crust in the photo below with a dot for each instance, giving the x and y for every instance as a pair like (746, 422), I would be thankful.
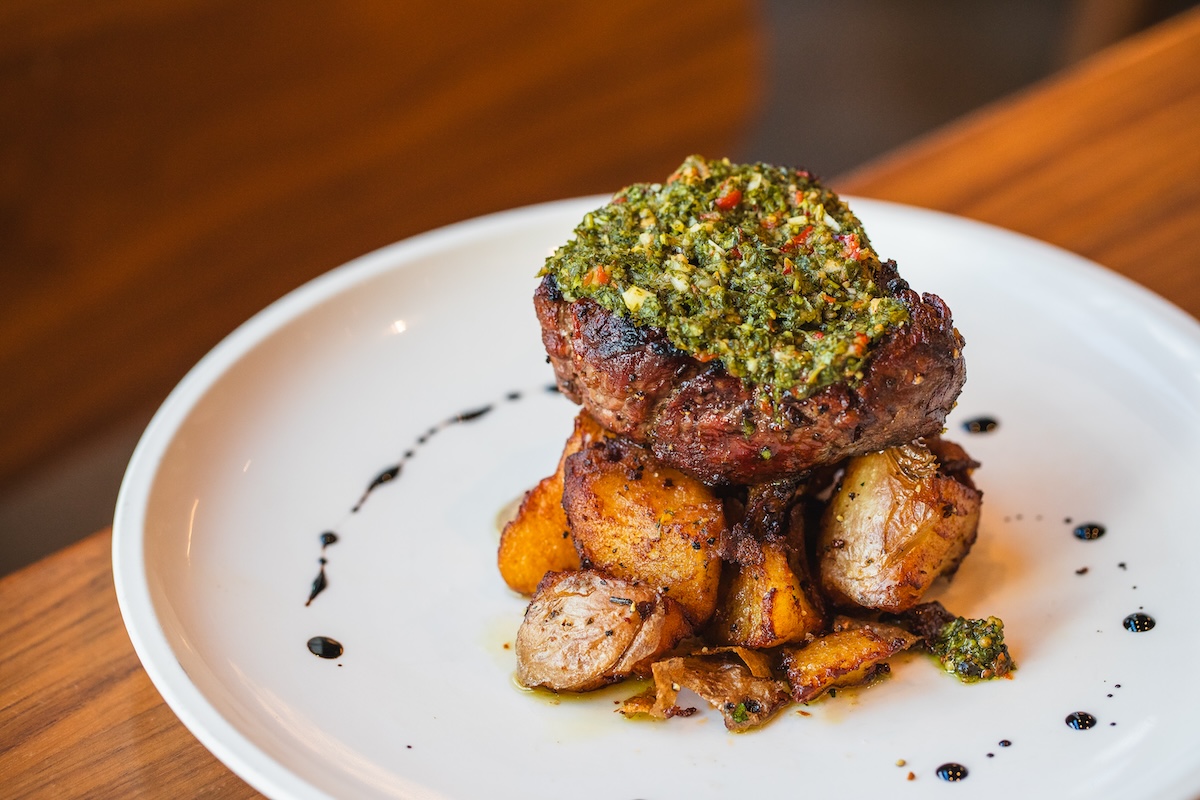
(698, 418)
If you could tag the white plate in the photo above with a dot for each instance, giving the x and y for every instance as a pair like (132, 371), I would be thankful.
(273, 437)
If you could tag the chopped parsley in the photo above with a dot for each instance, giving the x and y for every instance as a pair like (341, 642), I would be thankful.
(758, 266)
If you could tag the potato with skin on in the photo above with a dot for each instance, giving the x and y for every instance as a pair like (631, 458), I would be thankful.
(633, 517)
(847, 657)
(584, 630)
(896, 522)
(538, 540)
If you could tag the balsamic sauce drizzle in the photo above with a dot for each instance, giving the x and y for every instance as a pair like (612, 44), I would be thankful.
(1139, 622)
(1081, 721)
(325, 647)
(981, 425)
(390, 474)
(952, 772)
(320, 583)
(1090, 531)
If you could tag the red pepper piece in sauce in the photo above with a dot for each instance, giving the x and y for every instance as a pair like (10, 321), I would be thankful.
(728, 199)
(793, 244)
(851, 246)
(597, 276)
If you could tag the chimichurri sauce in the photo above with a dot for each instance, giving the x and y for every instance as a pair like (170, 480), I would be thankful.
(758, 266)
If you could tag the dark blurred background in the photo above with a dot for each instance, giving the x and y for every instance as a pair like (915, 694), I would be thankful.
(838, 82)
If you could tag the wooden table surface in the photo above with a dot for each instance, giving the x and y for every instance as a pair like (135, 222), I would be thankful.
(1102, 160)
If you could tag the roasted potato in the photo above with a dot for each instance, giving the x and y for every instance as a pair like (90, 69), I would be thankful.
(846, 657)
(896, 521)
(537, 539)
(632, 517)
(584, 630)
(766, 596)
(765, 604)
(744, 698)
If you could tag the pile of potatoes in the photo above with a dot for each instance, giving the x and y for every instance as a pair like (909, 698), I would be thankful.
(752, 597)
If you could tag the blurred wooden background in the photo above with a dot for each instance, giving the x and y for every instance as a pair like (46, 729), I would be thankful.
(169, 168)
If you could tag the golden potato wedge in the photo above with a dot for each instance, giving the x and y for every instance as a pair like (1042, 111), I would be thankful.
(896, 522)
(765, 604)
(633, 517)
(537, 540)
(847, 657)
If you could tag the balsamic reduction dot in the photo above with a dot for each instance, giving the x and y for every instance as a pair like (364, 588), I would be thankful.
(952, 772)
(328, 538)
(325, 647)
(1005, 743)
(1139, 623)
(512, 396)
(1089, 531)
(981, 425)
(991, 755)
(1081, 721)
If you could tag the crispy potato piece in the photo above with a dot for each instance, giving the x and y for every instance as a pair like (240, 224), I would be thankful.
(895, 523)
(744, 699)
(758, 662)
(538, 540)
(584, 630)
(633, 517)
(767, 597)
(765, 604)
(849, 656)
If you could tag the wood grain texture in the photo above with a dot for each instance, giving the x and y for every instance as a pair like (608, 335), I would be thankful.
(168, 169)
(78, 714)
(1103, 160)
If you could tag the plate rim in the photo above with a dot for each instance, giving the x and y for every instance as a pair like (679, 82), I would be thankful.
(140, 617)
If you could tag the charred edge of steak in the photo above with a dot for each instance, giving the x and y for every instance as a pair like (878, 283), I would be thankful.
(698, 418)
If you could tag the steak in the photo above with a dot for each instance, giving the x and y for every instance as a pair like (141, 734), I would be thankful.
(698, 418)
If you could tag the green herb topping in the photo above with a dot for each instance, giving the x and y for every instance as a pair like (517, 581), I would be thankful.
(756, 265)
(973, 649)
